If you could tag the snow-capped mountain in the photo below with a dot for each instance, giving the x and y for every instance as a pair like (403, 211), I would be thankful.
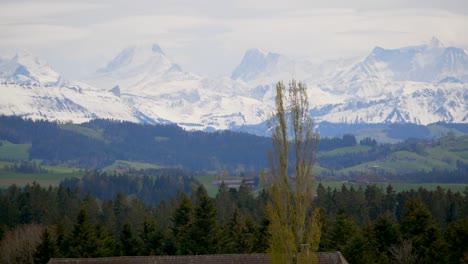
(161, 90)
(430, 63)
(418, 84)
(32, 89)
(25, 68)
(261, 68)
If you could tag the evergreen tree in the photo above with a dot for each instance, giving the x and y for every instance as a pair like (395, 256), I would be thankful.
(457, 239)
(82, 239)
(224, 202)
(418, 226)
(105, 243)
(342, 231)
(182, 224)
(204, 231)
(238, 234)
(46, 249)
(385, 233)
(128, 244)
(152, 238)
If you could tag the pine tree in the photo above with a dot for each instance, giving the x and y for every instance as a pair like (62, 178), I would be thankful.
(457, 239)
(105, 242)
(204, 231)
(128, 245)
(385, 233)
(82, 239)
(152, 238)
(182, 223)
(418, 226)
(224, 203)
(47, 248)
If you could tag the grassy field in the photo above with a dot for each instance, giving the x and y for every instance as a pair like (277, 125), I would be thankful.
(83, 130)
(126, 165)
(440, 155)
(345, 150)
(21, 179)
(403, 162)
(17, 152)
(45, 179)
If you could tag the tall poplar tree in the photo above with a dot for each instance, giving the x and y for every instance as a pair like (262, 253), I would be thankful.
(294, 229)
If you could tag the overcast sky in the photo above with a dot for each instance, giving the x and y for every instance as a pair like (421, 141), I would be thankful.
(209, 37)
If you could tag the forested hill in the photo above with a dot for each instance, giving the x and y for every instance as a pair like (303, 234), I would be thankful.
(101, 143)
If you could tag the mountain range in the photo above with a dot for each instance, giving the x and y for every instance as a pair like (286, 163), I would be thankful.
(420, 84)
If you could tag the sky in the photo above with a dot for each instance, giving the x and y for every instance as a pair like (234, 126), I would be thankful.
(210, 37)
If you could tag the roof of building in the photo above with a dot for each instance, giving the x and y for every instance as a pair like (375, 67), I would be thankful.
(323, 258)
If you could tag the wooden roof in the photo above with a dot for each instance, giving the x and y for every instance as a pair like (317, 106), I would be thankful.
(323, 258)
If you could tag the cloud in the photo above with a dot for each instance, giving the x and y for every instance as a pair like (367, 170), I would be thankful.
(35, 11)
(210, 37)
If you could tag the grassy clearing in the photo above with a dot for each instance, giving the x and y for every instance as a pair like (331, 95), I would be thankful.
(161, 139)
(5, 163)
(378, 134)
(126, 165)
(16, 152)
(55, 175)
(44, 179)
(96, 134)
(404, 162)
(207, 181)
(345, 150)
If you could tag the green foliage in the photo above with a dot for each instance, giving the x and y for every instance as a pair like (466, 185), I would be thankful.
(103, 143)
(204, 232)
(85, 131)
(79, 225)
(152, 238)
(125, 166)
(293, 232)
(457, 239)
(182, 224)
(82, 240)
(46, 249)
(14, 152)
(129, 245)
(385, 233)
(418, 226)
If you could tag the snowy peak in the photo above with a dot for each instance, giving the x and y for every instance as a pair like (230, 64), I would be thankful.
(436, 43)
(425, 63)
(252, 63)
(136, 68)
(26, 68)
(137, 57)
(428, 63)
(267, 68)
(157, 49)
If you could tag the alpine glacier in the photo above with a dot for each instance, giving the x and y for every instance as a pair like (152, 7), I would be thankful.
(32, 89)
(420, 84)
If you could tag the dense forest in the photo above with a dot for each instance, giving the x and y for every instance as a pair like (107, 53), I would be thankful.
(99, 143)
(367, 224)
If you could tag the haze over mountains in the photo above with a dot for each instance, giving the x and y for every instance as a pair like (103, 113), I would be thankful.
(420, 84)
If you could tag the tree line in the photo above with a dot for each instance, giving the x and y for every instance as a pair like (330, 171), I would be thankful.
(367, 224)
(165, 145)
